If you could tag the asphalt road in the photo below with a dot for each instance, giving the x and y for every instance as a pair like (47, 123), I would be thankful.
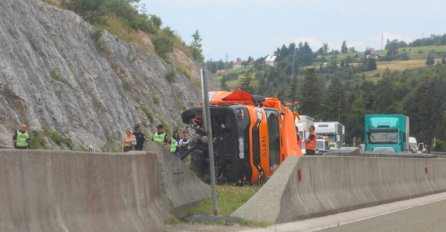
(421, 214)
(431, 217)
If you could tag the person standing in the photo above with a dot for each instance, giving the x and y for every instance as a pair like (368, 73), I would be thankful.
(173, 142)
(160, 136)
(310, 142)
(21, 138)
(182, 144)
(299, 140)
(140, 138)
(130, 140)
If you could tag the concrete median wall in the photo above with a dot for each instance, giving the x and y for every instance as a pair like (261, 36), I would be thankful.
(45, 191)
(306, 187)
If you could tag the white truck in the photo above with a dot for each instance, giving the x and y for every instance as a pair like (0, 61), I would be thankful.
(335, 132)
(415, 147)
(303, 126)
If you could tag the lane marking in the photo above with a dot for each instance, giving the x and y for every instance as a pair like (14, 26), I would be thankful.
(380, 214)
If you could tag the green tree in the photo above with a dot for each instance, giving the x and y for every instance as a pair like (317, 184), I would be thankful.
(430, 58)
(293, 91)
(195, 47)
(385, 99)
(164, 41)
(392, 49)
(311, 95)
(334, 103)
(371, 64)
(426, 109)
(344, 48)
(246, 85)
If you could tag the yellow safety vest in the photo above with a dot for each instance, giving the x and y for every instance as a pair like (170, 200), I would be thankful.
(173, 145)
(22, 139)
(159, 137)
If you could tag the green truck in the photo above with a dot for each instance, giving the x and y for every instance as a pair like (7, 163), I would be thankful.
(386, 132)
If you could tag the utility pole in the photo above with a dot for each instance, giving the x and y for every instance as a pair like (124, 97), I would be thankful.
(207, 126)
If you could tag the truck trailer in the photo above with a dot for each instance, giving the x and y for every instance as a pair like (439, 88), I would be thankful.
(334, 130)
(303, 124)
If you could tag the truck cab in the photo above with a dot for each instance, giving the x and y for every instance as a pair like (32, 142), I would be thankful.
(386, 131)
(333, 131)
(322, 146)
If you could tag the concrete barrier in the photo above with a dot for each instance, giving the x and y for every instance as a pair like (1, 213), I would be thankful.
(46, 191)
(182, 188)
(306, 186)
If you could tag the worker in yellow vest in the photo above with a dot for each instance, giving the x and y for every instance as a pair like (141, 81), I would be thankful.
(160, 136)
(310, 142)
(21, 138)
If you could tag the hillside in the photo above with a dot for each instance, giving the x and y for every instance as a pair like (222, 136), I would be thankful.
(78, 86)
(335, 86)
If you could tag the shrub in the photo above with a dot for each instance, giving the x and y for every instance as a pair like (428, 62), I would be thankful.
(37, 140)
(55, 74)
(99, 42)
(170, 75)
(184, 71)
(164, 41)
(156, 99)
(57, 138)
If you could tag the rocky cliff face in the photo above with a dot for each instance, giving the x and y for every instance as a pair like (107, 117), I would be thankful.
(59, 74)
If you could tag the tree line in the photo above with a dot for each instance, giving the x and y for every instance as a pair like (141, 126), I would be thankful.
(345, 94)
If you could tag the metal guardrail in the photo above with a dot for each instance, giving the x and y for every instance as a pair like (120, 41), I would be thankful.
(439, 153)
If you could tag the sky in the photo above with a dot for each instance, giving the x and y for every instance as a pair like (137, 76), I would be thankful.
(233, 29)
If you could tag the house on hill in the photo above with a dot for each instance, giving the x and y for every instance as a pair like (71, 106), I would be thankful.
(271, 60)
(237, 64)
(372, 54)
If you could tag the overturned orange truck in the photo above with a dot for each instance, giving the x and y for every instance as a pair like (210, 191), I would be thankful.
(252, 136)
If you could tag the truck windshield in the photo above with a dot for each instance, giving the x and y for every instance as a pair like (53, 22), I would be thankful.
(388, 137)
(321, 145)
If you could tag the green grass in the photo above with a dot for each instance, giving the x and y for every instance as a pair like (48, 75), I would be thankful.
(57, 138)
(55, 74)
(229, 199)
(422, 52)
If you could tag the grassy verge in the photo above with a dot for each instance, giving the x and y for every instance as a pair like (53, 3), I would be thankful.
(229, 199)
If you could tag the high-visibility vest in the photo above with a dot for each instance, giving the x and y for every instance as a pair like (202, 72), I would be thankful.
(22, 139)
(311, 145)
(159, 137)
(173, 146)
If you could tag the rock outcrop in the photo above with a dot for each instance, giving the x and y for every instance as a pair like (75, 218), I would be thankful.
(58, 72)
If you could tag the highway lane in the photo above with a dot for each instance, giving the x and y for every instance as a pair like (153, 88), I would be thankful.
(426, 213)
(430, 218)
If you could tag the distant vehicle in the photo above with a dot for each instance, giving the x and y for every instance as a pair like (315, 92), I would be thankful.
(334, 130)
(302, 125)
(415, 147)
(321, 146)
(390, 131)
